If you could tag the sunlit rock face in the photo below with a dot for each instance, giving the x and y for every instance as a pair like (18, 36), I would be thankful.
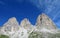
(43, 21)
(44, 28)
(10, 27)
(26, 24)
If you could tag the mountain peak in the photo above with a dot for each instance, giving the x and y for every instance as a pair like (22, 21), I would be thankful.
(43, 14)
(11, 25)
(25, 23)
(44, 21)
(43, 26)
(12, 21)
(39, 19)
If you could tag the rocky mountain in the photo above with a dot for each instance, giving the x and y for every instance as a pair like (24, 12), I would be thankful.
(43, 21)
(10, 27)
(26, 24)
(44, 28)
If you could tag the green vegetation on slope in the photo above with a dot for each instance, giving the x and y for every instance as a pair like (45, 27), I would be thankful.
(4, 36)
(44, 35)
(35, 35)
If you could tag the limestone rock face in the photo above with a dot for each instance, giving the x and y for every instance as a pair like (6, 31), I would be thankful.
(10, 26)
(43, 21)
(44, 28)
(26, 24)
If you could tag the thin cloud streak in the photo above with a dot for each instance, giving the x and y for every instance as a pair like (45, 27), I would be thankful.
(50, 7)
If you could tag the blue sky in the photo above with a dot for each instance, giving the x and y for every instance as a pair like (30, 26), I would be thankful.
(19, 9)
(29, 9)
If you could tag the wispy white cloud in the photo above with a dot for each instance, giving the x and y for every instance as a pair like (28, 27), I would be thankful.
(58, 24)
(51, 8)
(38, 3)
(56, 16)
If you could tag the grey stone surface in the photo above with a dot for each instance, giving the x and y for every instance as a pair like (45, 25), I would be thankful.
(44, 28)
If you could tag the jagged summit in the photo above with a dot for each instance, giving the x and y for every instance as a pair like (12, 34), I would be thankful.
(44, 26)
(11, 25)
(43, 21)
(12, 21)
(25, 23)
